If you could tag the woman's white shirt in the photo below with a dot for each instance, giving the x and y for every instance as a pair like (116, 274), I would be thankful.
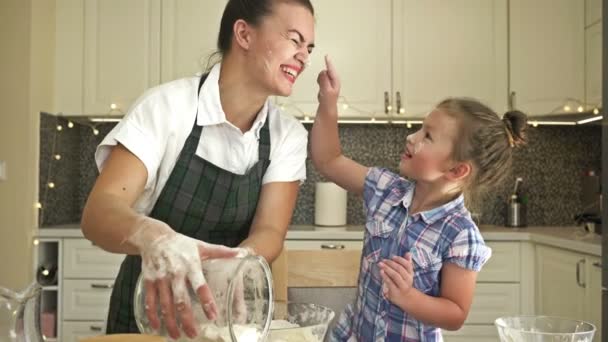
(157, 125)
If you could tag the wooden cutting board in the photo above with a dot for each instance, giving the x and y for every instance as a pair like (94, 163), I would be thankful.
(124, 338)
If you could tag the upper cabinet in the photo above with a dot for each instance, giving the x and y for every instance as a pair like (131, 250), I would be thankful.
(121, 52)
(593, 12)
(593, 87)
(107, 54)
(547, 54)
(396, 58)
(449, 48)
(188, 36)
(359, 48)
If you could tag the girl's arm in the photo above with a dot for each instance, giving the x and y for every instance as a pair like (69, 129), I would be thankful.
(326, 152)
(449, 311)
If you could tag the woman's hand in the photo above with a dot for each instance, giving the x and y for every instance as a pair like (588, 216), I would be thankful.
(329, 88)
(397, 277)
(169, 261)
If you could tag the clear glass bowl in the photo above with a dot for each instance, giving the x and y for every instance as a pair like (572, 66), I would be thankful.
(300, 322)
(543, 329)
(243, 293)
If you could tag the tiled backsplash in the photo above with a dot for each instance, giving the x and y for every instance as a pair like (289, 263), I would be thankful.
(551, 165)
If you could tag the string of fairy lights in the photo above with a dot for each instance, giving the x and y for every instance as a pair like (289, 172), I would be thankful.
(62, 124)
(366, 117)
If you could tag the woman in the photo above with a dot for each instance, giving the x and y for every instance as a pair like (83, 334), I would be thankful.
(202, 163)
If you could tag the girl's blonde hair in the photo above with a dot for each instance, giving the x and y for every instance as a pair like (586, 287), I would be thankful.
(486, 140)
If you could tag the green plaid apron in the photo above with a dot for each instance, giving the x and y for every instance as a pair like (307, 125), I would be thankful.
(202, 201)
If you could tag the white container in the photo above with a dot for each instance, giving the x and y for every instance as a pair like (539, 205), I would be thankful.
(330, 205)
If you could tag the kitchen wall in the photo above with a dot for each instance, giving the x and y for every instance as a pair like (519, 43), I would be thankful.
(551, 165)
(26, 37)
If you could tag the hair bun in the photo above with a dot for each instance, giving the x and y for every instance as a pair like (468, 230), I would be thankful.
(516, 123)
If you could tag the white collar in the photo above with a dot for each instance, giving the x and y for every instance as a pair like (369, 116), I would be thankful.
(210, 111)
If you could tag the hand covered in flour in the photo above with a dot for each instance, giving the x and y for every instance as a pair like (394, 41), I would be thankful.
(169, 261)
(329, 88)
(397, 277)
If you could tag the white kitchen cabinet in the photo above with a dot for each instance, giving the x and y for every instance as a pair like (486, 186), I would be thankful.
(189, 36)
(121, 52)
(356, 34)
(472, 333)
(107, 54)
(559, 289)
(593, 294)
(80, 298)
(547, 54)
(76, 331)
(593, 12)
(593, 65)
(449, 48)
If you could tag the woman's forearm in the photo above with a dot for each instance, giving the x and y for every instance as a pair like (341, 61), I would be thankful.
(108, 221)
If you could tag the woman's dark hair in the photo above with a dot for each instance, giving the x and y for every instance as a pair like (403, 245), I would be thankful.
(252, 11)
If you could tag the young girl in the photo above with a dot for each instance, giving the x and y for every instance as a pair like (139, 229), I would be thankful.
(422, 250)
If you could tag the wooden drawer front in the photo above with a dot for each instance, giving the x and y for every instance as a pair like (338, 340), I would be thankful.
(86, 299)
(76, 331)
(504, 265)
(472, 333)
(492, 301)
(83, 260)
(323, 268)
(323, 245)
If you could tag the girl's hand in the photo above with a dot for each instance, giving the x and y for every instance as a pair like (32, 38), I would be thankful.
(329, 88)
(397, 277)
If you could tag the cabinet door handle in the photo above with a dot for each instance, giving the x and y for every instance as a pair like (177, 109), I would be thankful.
(578, 273)
(512, 97)
(597, 264)
(387, 104)
(331, 246)
(102, 286)
(400, 109)
(95, 328)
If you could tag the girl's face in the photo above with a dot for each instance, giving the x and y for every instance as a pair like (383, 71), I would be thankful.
(428, 152)
(280, 47)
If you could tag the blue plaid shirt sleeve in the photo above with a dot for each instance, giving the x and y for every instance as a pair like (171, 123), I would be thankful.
(468, 250)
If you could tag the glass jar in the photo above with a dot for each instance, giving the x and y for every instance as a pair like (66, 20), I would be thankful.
(243, 292)
(20, 315)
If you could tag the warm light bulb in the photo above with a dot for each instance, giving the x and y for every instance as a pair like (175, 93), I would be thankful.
(36, 242)
(45, 272)
(389, 108)
(596, 111)
(58, 156)
(59, 127)
(95, 131)
(70, 124)
(535, 124)
(402, 111)
(113, 106)
(567, 108)
(38, 205)
(409, 125)
(580, 109)
(51, 185)
(345, 106)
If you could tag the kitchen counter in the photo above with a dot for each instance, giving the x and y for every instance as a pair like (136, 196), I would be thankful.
(572, 238)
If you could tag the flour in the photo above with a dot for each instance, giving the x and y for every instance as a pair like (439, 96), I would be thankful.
(280, 331)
